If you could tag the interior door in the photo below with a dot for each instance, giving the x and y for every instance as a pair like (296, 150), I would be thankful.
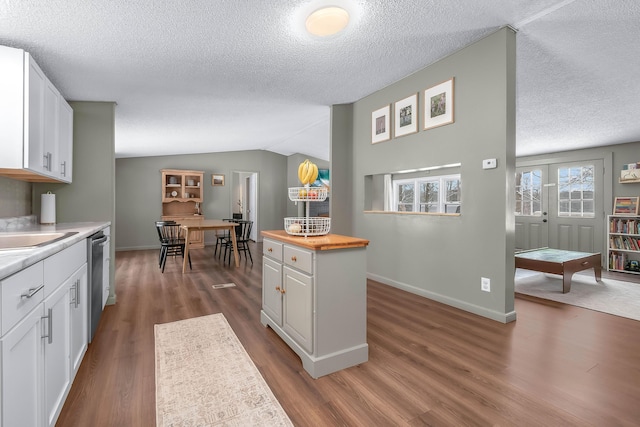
(245, 194)
(577, 208)
(532, 219)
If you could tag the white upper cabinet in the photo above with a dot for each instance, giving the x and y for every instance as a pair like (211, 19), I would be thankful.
(65, 141)
(36, 121)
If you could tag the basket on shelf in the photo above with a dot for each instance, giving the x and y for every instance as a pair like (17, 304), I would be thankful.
(307, 226)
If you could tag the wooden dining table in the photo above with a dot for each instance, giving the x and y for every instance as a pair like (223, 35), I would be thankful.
(208, 224)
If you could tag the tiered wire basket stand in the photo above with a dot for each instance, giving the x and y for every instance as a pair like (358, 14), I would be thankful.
(307, 226)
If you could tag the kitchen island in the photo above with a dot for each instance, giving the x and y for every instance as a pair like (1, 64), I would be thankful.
(314, 296)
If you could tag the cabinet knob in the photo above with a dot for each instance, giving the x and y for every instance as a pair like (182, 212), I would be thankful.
(270, 250)
(278, 288)
(282, 291)
(294, 259)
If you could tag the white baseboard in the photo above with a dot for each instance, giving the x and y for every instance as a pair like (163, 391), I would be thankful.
(462, 305)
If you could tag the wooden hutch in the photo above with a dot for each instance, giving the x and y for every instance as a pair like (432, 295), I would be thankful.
(182, 197)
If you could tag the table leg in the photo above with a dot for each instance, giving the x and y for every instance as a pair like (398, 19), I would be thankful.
(566, 281)
(597, 270)
(186, 250)
(232, 231)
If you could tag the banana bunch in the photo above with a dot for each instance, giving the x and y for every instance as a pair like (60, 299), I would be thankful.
(307, 172)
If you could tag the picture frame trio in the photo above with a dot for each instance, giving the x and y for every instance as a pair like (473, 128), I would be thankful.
(438, 110)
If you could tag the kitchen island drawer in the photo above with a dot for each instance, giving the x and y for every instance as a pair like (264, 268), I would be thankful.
(298, 258)
(272, 249)
(21, 292)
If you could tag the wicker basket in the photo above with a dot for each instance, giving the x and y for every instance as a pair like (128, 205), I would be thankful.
(307, 226)
(307, 194)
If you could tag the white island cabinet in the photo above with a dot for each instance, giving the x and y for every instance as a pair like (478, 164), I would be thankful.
(44, 336)
(314, 296)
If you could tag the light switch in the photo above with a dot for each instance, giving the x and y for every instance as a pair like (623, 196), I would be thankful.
(489, 164)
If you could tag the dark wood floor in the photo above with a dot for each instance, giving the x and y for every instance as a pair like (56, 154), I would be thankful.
(430, 364)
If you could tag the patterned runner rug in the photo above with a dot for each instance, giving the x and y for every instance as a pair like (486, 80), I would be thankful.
(608, 296)
(204, 377)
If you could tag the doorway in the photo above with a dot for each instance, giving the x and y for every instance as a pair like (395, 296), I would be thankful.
(561, 205)
(244, 198)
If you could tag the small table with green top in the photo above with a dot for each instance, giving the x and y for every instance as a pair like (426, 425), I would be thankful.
(558, 261)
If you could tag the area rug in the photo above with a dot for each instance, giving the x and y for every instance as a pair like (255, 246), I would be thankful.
(608, 296)
(204, 377)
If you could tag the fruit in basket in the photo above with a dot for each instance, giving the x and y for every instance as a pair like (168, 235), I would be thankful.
(302, 193)
(295, 228)
(307, 172)
(313, 194)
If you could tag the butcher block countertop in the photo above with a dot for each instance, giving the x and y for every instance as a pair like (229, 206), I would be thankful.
(318, 243)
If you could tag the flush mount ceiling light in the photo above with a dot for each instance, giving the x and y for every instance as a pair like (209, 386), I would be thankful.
(327, 21)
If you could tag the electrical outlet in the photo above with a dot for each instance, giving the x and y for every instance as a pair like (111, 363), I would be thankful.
(485, 284)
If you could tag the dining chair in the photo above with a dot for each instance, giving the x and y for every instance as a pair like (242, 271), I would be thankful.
(221, 237)
(243, 234)
(171, 241)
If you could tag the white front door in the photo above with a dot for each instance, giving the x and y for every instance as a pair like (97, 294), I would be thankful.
(532, 211)
(576, 208)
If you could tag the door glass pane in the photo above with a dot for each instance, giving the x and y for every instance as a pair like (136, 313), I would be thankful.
(529, 193)
(576, 191)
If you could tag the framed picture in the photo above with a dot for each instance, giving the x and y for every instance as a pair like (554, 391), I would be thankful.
(625, 206)
(217, 180)
(381, 125)
(438, 105)
(406, 116)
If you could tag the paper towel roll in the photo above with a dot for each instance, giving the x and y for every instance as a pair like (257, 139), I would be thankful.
(48, 208)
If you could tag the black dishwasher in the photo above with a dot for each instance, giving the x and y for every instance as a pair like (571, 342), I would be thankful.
(95, 262)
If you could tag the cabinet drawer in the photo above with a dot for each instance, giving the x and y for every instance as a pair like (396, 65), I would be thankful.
(60, 266)
(298, 258)
(272, 249)
(16, 302)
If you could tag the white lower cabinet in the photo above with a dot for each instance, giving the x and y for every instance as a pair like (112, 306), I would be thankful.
(79, 325)
(298, 307)
(315, 300)
(57, 350)
(271, 289)
(22, 369)
(44, 336)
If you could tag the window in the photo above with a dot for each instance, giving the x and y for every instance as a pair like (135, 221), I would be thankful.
(529, 193)
(576, 191)
(433, 194)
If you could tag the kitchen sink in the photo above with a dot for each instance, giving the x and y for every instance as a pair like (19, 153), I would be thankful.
(29, 240)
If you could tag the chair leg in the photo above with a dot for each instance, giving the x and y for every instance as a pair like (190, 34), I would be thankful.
(164, 259)
(249, 251)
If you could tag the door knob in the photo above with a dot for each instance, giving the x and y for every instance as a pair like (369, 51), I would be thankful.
(544, 220)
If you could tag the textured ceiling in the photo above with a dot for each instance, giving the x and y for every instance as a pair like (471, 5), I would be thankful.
(207, 76)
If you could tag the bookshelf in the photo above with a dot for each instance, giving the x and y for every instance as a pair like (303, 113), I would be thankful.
(623, 234)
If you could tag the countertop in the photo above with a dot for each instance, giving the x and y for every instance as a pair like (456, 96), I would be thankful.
(14, 260)
(320, 243)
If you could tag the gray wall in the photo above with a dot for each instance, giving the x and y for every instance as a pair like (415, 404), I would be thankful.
(15, 197)
(138, 191)
(91, 195)
(444, 257)
(342, 206)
